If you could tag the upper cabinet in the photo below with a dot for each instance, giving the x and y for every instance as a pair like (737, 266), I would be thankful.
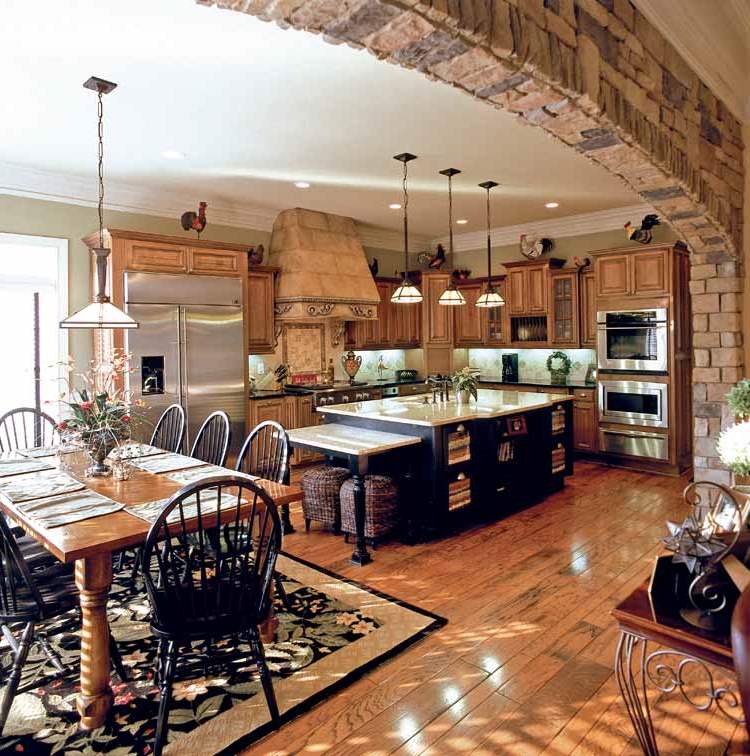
(259, 298)
(476, 326)
(438, 319)
(376, 333)
(632, 273)
(587, 288)
(216, 262)
(154, 256)
(563, 292)
(527, 283)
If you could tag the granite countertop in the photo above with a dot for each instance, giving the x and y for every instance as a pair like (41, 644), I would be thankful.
(266, 394)
(411, 410)
(538, 382)
(273, 393)
(347, 439)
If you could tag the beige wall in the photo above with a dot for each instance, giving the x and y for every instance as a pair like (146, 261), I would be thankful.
(19, 215)
(746, 237)
(565, 248)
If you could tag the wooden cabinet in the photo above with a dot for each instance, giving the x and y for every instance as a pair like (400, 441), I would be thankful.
(516, 303)
(564, 307)
(437, 318)
(636, 273)
(303, 415)
(259, 302)
(275, 409)
(376, 333)
(585, 420)
(528, 285)
(215, 262)
(587, 322)
(536, 290)
(406, 325)
(155, 257)
(495, 323)
(467, 319)
(398, 326)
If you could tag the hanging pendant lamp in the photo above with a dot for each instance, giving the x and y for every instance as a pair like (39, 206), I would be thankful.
(451, 296)
(407, 292)
(491, 297)
(101, 313)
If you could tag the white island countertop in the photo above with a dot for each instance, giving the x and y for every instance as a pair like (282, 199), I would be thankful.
(411, 410)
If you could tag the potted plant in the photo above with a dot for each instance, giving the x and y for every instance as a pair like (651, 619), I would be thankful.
(101, 410)
(738, 400)
(734, 451)
(465, 385)
(559, 364)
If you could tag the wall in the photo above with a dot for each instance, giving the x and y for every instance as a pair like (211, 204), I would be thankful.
(19, 215)
(565, 248)
(532, 363)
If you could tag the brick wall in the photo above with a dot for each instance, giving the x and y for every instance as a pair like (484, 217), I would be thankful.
(599, 77)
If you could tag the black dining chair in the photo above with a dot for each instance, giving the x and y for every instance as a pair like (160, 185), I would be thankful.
(169, 433)
(30, 598)
(202, 588)
(211, 443)
(265, 453)
(26, 428)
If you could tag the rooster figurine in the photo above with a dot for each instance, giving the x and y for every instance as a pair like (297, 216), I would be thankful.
(374, 267)
(643, 233)
(191, 221)
(438, 259)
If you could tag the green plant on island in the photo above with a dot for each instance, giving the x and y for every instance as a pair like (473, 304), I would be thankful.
(465, 380)
(738, 399)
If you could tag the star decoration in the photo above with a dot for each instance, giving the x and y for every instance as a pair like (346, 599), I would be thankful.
(691, 546)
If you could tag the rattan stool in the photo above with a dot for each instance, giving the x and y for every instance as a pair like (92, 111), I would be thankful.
(381, 507)
(320, 495)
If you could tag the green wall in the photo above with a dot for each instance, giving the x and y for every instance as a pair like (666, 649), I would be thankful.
(19, 215)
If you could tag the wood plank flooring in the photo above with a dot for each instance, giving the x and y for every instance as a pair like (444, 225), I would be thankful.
(525, 665)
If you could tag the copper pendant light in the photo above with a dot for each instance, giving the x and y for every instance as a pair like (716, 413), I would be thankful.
(407, 292)
(451, 297)
(491, 297)
(101, 313)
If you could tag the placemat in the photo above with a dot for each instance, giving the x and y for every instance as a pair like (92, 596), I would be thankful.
(166, 463)
(54, 511)
(208, 471)
(23, 465)
(134, 451)
(150, 510)
(38, 485)
(42, 451)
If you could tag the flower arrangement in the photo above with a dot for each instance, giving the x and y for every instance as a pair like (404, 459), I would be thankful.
(734, 448)
(101, 410)
(465, 381)
(738, 399)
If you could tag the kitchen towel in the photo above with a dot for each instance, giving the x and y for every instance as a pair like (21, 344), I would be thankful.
(54, 511)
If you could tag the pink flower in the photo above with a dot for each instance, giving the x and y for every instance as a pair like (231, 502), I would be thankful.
(62, 426)
(85, 406)
(126, 418)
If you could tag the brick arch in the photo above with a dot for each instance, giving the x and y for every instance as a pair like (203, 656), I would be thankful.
(598, 77)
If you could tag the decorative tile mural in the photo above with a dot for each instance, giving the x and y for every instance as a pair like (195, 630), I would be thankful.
(532, 363)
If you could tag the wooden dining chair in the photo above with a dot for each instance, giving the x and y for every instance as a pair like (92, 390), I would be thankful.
(31, 596)
(211, 443)
(26, 428)
(169, 433)
(203, 589)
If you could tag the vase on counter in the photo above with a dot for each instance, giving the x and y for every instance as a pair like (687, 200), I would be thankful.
(351, 363)
(99, 444)
(463, 396)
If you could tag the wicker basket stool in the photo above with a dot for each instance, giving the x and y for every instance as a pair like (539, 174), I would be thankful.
(381, 507)
(320, 495)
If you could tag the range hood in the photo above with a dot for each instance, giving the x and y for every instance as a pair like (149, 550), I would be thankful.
(324, 271)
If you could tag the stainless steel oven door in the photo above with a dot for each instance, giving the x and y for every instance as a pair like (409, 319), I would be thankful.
(631, 443)
(632, 340)
(634, 403)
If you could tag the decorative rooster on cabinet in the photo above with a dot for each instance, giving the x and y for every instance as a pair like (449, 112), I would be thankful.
(191, 221)
(642, 233)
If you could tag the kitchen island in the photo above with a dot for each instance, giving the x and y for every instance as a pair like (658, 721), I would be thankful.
(506, 449)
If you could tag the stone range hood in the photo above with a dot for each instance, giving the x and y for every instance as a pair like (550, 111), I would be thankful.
(324, 271)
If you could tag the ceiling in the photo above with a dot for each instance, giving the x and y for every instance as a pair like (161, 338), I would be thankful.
(254, 109)
(714, 39)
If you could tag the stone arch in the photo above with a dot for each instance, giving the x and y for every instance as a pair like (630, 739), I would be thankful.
(599, 77)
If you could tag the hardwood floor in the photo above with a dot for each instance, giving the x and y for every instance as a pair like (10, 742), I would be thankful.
(525, 664)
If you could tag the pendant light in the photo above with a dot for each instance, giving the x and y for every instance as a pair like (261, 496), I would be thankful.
(407, 292)
(451, 296)
(491, 297)
(101, 313)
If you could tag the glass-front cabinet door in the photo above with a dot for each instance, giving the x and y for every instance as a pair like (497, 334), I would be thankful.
(495, 320)
(564, 291)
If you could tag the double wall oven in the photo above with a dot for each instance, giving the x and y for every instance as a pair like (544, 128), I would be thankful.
(633, 410)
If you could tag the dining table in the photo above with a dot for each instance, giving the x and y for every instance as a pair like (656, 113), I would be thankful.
(91, 543)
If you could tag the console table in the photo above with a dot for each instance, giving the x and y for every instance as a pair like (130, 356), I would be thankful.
(682, 646)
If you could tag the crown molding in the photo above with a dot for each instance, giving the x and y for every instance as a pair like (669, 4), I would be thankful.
(555, 228)
(20, 181)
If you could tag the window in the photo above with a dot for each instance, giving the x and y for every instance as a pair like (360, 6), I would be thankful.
(29, 265)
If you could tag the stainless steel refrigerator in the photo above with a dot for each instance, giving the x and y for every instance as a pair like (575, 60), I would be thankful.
(189, 349)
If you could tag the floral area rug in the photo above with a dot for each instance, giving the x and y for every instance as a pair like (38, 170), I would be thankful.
(317, 625)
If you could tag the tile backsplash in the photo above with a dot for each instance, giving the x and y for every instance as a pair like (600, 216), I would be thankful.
(532, 363)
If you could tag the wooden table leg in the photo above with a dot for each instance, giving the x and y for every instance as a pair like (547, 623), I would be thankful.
(94, 578)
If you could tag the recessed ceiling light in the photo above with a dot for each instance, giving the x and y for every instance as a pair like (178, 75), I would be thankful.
(551, 205)
(394, 206)
(302, 184)
(173, 155)
(462, 221)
